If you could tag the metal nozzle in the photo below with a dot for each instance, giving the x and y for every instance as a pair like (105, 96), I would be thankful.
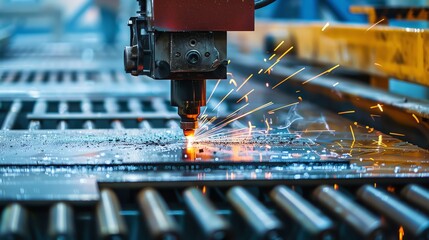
(189, 118)
(188, 96)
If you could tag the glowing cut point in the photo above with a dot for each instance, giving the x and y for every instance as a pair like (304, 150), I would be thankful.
(189, 141)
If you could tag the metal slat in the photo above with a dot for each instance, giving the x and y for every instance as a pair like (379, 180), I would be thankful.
(413, 221)
(53, 78)
(111, 224)
(210, 224)
(10, 119)
(303, 212)
(67, 77)
(23, 78)
(112, 107)
(40, 107)
(81, 77)
(38, 77)
(159, 105)
(257, 216)
(61, 222)
(145, 125)
(136, 107)
(361, 220)
(81, 116)
(86, 107)
(155, 215)
(10, 76)
(14, 222)
(63, 108)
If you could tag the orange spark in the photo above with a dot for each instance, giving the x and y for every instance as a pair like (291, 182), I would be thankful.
(336, 186)
(346, 112)
(380, 140)
(279, 45)
(245, 95)
(325, 27)
(391, 189)
(214, 89)
(271, 67)
(245, 81)
(353, 135)
(236, 111)
(323, 73)
(401, 233)
(380, 107)
(285, 106)
(223, 99)
(284, 54)
(239, 117)
(268, 125)
(250, 128)
(397, 134)
(284, 80)
(272, 56)
(375, 24)
(314, 131)
(232, 81)
(416, 118)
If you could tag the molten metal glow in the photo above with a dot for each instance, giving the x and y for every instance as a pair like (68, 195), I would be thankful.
(189, 141)
(401, 233)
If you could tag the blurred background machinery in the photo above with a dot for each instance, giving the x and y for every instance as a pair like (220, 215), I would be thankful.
(319, 132)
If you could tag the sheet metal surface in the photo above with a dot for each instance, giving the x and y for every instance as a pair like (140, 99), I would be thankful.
(303, 142)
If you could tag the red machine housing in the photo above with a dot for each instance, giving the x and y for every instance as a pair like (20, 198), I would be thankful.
(203, 15)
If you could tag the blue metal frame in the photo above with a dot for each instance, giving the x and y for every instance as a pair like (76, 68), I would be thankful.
(342, 10)
(74, 20)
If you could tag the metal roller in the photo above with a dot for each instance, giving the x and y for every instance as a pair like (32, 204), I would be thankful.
(61, 222)
(212, 226)
(111, 224)
(361, 220)
(416, 195)
(413, 221)
(301, 211)
(160, 224)
(257, 216)
(14, 222)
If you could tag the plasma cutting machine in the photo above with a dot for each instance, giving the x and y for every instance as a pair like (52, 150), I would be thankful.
(185, 41)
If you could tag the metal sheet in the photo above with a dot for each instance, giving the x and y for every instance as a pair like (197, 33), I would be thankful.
(42, 188)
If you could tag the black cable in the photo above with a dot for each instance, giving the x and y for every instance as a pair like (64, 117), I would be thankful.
(262, 3)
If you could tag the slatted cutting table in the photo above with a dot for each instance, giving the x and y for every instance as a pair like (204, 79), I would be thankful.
(88, 152)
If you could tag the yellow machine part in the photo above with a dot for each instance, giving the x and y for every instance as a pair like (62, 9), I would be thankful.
(381, 51)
